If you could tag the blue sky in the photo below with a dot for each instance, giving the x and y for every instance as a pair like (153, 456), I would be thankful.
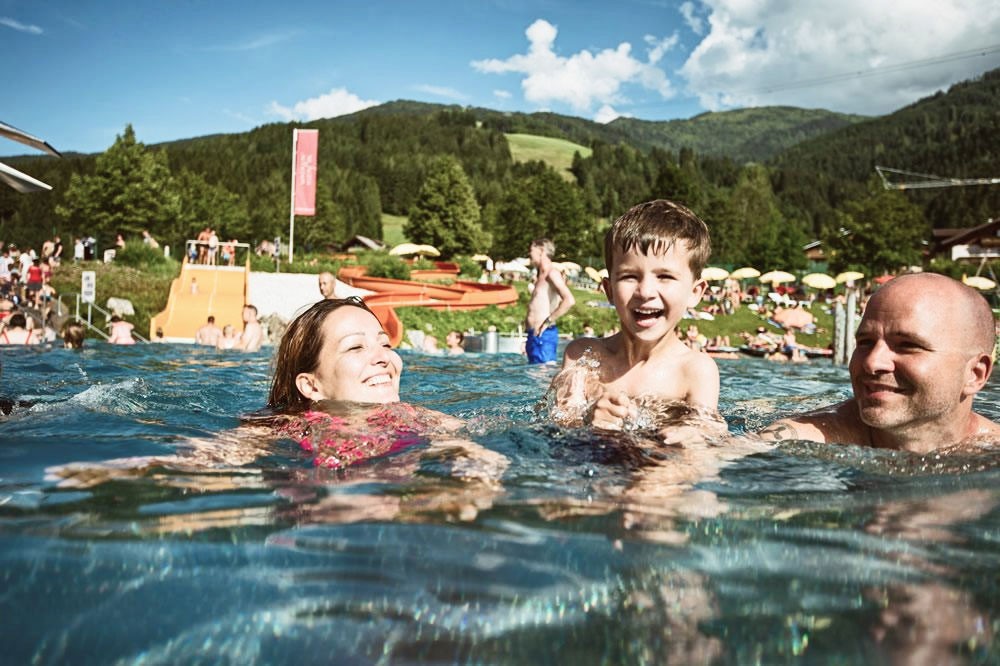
(76, 72)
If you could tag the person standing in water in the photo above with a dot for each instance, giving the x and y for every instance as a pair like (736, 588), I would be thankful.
(253, 334)
(121, 331)
(550, 299)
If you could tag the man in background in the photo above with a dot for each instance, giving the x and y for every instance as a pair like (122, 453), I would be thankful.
(550, 299)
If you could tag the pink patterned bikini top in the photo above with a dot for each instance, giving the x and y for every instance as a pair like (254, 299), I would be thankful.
(337, 442)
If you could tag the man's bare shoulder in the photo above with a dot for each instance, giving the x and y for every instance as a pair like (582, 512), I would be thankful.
(837, 423)
(986, 429)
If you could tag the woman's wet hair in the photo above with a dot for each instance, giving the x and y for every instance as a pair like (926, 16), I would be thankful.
(300, 350)
(17, 320)
(73, 335)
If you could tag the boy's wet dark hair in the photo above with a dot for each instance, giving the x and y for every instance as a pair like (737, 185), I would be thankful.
(657, 225)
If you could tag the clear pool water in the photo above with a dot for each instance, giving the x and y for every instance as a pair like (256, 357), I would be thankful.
(804, 553)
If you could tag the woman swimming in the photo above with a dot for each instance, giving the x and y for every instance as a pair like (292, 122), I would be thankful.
(335, 390)
(326, 385)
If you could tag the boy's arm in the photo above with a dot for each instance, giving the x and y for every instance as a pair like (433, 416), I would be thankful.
(703, 382)
(573, 389)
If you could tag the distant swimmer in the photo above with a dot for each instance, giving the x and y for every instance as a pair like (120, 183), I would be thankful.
(16, 331)
(253, 335)
(924, 349)
(453, 342)
(208, 334)
(229, 339)
(121, 331)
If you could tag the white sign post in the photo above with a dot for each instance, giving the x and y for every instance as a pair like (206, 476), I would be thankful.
(88, 286)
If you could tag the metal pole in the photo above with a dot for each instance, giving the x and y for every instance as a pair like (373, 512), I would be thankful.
(852, 322)
(839, 326)
(291, 209)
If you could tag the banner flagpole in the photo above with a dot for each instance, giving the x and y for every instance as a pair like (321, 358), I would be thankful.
(291, 208)
(305, 154)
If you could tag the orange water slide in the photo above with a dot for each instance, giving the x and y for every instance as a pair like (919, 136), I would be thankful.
(391, 293)
(198, 292)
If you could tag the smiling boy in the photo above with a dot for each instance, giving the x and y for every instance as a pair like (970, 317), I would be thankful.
(654, 253)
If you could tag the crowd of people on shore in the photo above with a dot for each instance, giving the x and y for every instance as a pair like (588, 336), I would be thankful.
(28, 315)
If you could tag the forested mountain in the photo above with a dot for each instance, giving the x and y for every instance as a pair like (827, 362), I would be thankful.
(954, 135)
(767, 180)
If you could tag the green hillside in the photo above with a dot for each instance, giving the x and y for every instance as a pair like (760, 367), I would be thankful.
(557, 153)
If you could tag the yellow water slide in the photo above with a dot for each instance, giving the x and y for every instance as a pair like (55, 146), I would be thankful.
(199, 292)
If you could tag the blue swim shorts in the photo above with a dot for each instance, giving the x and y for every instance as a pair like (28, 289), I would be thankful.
(542, 348)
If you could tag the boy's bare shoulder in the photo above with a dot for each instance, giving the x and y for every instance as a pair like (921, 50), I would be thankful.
(591, 346)
(700, 365)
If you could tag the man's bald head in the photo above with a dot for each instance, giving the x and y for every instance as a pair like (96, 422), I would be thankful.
(327, 284)
(964, 307)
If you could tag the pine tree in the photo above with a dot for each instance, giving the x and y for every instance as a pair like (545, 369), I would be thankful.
(446, 214)
(131, 190)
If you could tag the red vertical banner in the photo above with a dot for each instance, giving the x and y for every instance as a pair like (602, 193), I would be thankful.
(304, 192)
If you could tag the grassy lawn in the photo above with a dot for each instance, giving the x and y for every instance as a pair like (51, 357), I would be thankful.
(147, 288)
(557, 153)
(392, 229)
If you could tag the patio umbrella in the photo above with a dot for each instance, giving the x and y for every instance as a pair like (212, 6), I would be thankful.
(569, 267)
(745, 273)
(404, 249)
(480, 257)
(512, 267)
(979, 282)
(777, 277)
(593, 274)
(819, 281)
(849, 276)
(714, 273)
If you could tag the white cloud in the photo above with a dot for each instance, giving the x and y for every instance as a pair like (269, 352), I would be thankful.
(582, 79)
(501, 94)
(607, 113)
(20, 27)
(809, 54)
(255, 43)
(441, 91)
(337, 102)
(693, 21)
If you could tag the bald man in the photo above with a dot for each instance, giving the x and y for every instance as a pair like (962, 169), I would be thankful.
(924, 349)
(327, 285)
